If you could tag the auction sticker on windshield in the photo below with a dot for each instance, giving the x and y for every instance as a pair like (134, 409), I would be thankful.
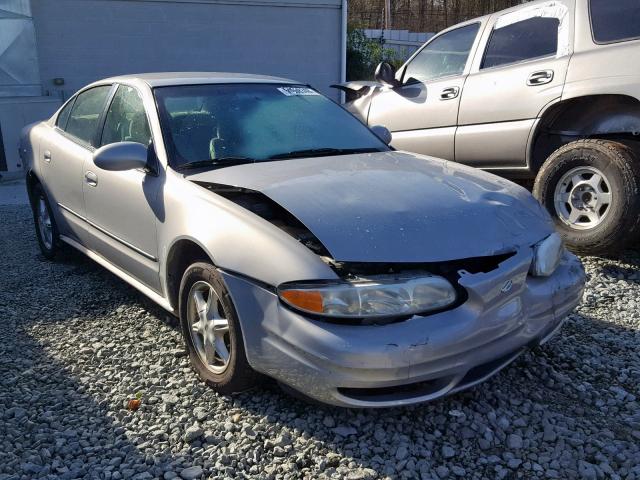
(295, 91)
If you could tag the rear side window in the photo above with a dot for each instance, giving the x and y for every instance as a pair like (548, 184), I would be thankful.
(63, 116)
(535, 37)
(85, 115)
(615, 21)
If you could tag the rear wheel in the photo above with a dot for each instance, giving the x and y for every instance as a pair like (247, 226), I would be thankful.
(46, 228)
(591, 188)
(212, 332)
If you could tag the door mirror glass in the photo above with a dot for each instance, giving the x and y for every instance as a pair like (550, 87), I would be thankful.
(386, 73)
(121, 156)
(382, 133)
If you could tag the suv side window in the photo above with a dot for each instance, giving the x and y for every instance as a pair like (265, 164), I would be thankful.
(535, 37)
(446, 55)
(615, 21)
(85, 114)
(126, 120)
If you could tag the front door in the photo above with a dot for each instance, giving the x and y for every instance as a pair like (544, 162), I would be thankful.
(121, 205)
(522, 68)
(422, 112)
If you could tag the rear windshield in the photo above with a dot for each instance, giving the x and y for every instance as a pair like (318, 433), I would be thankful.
(615, 21)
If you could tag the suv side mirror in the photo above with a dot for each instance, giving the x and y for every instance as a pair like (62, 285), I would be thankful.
(121, 156)
(382, 133)
(386, 73)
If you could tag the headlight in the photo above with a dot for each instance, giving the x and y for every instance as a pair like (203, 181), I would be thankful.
(377, 296)
(546, 256)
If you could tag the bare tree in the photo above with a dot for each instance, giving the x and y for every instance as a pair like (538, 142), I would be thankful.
(422, 15)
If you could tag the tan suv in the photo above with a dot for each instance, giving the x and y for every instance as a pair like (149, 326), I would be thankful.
(548, 91)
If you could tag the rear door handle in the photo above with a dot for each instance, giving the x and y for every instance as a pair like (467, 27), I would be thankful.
(449, 93)
(91, 178)
(540, 78)
(47, 156)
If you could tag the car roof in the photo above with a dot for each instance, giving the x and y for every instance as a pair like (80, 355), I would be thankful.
(163, 79)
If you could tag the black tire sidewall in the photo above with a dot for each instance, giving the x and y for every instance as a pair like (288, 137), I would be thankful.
(36, 194)
(608, 235)
(238, 375)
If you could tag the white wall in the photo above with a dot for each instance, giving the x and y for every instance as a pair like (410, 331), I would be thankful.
(85, 40)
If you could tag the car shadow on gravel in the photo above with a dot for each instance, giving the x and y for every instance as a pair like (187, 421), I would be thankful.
(78, 343)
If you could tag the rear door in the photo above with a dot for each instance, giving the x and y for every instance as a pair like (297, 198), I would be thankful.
(422, 112)
(520, 69)
(121, 206)
(63, 151)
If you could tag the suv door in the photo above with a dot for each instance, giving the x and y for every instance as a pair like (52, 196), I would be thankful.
(522, 69)
(121, 205)
(421, 113)
(64, 150)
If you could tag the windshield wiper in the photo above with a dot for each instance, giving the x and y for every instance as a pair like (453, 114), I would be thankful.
(216, 162)
(322, 152)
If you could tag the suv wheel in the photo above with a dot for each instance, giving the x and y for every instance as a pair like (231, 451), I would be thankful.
(591, 188)
(212, 332)
(46, 228)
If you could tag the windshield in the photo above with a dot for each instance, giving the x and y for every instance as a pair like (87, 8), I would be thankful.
(255, 122)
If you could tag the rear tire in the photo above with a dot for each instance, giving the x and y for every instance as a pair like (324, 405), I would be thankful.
(212, 332)
(45, 223)
(591, 189)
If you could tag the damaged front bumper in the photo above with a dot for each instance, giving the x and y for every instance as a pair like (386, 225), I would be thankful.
(415, 360)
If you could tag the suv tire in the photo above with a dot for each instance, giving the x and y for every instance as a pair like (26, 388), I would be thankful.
(45, 222)
(212, 332)
(591, 188)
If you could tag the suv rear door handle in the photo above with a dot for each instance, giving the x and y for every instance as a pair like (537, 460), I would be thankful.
(540, 78)
(47, 156)
(91, 178)
(449, 93)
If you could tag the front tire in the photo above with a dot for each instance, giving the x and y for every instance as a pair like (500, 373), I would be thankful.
(591, 189)
(212, 332)
(46, 228)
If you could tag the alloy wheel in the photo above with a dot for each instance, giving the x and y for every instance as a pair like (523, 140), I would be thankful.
(583, 197)
(209, 327)
(45, 228)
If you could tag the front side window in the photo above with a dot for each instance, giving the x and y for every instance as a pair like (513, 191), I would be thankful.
(446, 55)
(256, 122)
(535, 37)
(126, 119)
(615, 21)
(85, 115)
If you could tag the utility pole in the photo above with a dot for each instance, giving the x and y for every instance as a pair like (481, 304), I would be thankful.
(387, 14)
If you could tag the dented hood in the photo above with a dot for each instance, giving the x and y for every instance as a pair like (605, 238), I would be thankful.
(396, 206)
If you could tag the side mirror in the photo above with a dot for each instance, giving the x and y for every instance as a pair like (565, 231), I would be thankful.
(121, 156)
(386, 73)
(382, 133)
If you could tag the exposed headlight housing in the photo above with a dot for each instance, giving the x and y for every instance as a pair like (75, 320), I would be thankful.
(546, 256)
(373, 297)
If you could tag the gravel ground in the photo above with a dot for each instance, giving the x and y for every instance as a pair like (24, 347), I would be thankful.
(76, 344)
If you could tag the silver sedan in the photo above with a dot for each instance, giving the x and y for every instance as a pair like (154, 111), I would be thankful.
(293, 242)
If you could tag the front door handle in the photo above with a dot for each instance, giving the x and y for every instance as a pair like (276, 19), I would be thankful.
(47, 156)
(449, 93)
(540, 78)
(91, 178)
